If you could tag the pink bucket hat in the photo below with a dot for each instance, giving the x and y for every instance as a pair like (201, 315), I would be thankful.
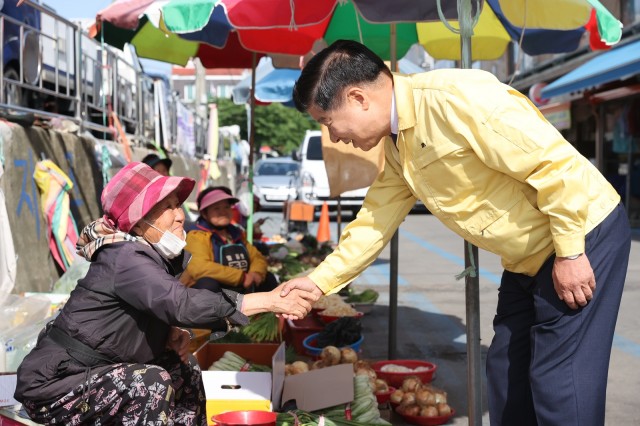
(215, 196)
(135, 190)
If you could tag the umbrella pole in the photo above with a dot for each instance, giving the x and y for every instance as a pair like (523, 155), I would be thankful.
(252, 128)
(472, 282)
(393, 265)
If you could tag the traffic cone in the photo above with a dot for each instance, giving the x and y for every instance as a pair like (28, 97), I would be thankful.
(324, 232)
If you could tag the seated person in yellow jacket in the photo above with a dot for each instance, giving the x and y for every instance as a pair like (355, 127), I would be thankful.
(221, 255)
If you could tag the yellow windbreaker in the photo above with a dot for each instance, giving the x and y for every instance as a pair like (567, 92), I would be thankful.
(488, 164)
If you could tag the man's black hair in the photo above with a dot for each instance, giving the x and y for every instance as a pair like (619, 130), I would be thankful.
(328, 73)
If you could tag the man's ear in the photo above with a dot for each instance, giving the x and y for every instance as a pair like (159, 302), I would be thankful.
(357, 95)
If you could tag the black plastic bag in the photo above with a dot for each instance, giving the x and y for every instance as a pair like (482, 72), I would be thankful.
(341, 332)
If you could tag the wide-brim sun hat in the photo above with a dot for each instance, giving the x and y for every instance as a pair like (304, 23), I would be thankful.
(135, 190)
(215, 196)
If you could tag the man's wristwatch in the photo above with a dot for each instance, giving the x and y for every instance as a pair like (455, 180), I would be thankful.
(574, 257)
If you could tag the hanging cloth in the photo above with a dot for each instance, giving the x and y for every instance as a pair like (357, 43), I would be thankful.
(62, 232)
(7, 250)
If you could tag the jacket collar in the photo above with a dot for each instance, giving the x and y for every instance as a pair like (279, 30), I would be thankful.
(403, 90)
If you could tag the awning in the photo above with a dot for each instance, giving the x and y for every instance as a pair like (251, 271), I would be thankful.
(618, 63)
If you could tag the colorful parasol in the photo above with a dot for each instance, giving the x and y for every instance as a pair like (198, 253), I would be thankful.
(189, 28)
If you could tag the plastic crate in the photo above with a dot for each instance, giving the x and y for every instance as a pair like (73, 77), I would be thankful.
(300, 330)
(301, 211)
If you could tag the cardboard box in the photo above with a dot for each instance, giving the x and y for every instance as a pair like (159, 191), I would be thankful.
(7, 389)
(312, 391)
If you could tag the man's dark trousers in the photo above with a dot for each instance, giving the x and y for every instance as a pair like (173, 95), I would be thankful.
(548, 364)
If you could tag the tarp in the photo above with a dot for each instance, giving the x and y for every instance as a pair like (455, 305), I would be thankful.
(7, 251)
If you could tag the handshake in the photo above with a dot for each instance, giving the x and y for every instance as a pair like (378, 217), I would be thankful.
(291, 300)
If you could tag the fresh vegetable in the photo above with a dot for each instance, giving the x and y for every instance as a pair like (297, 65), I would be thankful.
(367, 296)
(310, 419)
(233, 362)
(330, 355)
(263, 328)
(348, 356)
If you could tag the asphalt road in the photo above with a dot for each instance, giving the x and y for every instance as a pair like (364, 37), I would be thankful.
(431, 314)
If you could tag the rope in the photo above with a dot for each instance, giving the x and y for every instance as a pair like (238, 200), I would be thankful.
(471, 270)
(519, 58)
(292, 23)
(358, 23)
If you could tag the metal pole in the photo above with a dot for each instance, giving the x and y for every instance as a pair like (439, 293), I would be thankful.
(252, 128)
(472, 281)
(79, 74)
(393, 264)
(339, 218)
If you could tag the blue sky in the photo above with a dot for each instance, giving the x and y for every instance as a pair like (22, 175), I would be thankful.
(73, 9)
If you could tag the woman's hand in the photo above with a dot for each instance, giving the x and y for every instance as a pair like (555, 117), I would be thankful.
(178, 341)
(296, 305)
(251, 278)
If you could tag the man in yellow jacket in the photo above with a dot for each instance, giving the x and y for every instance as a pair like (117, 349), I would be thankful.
(486, 163)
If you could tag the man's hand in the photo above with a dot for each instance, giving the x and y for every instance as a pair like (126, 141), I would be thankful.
(304, 284)
(178, 341)
(574, 280)
(296, 305)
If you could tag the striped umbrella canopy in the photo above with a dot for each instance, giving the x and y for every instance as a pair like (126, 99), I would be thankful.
(175, 30)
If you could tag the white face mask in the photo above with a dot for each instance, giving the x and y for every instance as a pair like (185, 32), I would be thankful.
(170, 245)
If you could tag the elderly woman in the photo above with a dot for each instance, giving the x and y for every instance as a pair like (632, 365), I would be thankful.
(115, 354)
(222, 256)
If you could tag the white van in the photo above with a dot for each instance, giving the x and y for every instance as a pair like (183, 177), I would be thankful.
(313, 185)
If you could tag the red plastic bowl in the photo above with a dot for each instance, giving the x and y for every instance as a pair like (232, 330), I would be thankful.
(330, 318)
(427, 421)
(245, 418)
(383, 397)
(396, 379)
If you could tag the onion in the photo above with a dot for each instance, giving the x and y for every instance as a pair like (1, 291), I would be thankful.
(396, 396)
(443, 409)
(361, 364)
(330, 355)
(425, 397)
(348, 356)
(429, 411)
(381, 386)
(441, 396)
(411, 383)
(318, 364)
(299, 367)
(367, 372)
(409, 409)
(408, 398)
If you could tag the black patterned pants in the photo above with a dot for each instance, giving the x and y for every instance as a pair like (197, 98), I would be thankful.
(166, 392)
